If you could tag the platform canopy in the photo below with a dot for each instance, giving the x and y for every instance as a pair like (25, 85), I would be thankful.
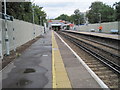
(55, 24)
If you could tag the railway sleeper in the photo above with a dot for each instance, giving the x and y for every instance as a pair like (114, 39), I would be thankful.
(103, 73)
(107, 77)
(84, 43)
(98, 69)
(92, 63)
(99, 65)
(94, 40)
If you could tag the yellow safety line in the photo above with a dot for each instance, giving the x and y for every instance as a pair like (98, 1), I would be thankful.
(53, 67)
(60, 77)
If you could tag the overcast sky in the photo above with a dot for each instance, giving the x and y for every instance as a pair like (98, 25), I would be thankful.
(54, 8)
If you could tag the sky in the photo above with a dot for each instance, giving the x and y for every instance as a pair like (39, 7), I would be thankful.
(55, 8)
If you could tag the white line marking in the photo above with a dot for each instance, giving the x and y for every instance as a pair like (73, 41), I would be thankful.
(45, 55)
(100, 82)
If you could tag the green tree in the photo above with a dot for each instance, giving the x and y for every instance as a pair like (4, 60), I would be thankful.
(72, 18)
(63, 17)
(98, 8)
(24, 11)
(77, 17)
(117, 10)
(40, 16)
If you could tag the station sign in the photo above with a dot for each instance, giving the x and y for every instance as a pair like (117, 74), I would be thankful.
(7, 17)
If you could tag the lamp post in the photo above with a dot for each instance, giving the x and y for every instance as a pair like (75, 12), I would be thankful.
(100, 27)
(33, 16)
(5, 7)
(100, 18)
(44, 26)
(76, 21)
(1, 55)
(40, 20)
(6, 31)
(79, 21)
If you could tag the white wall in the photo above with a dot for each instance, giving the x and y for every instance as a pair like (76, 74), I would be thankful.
(106, 27)
(23, 32)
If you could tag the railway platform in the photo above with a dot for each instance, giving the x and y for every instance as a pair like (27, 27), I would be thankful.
(49, 63)
(105, 35)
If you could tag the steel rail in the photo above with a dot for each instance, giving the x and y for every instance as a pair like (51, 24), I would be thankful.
(112, 54)
(110, 64)
(97, 42)
(116, 48)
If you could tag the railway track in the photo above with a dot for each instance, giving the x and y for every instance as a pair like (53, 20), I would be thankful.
(110, 75)
(97, 39)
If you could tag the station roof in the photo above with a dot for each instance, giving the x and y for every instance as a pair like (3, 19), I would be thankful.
(56, 21)
(55, 24)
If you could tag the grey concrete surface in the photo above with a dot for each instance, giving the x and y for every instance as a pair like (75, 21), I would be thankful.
(37, 61)
(78, 75)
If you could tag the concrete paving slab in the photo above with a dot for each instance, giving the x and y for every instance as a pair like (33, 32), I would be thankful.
(78, 75)
(72, 60)
(33, 68)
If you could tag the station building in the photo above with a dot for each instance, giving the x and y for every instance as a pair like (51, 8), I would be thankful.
(59, 25)
(56, 24)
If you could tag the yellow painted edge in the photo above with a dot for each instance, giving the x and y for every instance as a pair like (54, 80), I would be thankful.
(53, 65)
(55, 68)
